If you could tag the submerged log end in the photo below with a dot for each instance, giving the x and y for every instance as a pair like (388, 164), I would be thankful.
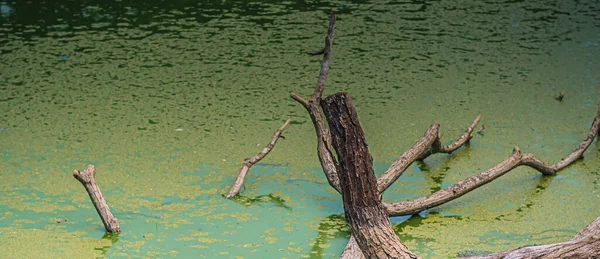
(87, 179)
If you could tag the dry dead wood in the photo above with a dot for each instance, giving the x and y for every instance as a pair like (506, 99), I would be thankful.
(249, 162)
(88, 179)
(430, 143)
(364, 212)
(515, 160)
(313, 106)
(586, 244)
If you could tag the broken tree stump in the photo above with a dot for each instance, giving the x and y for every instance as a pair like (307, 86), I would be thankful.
(88, 179)
(367, 217)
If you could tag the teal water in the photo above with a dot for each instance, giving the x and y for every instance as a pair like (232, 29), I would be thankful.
(166, 99)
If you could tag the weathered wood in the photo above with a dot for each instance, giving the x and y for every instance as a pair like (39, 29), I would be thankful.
(515, 160)
(364, 212)
(437, 146)
(249, 162)
(428, 145)
(361, 196)
(87, 178)
(313, 106)
(586, 244)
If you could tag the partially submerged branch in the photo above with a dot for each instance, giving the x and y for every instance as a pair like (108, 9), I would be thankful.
(428, 144)
(313, 106)
(586, 244)
(353, 176)
(464, 138)
(88, 179)
(473, 182)
(249, 162)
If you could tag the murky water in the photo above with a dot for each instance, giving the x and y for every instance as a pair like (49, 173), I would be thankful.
(167, 98)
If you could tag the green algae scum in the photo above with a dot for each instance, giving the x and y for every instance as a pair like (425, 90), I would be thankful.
(166, 99)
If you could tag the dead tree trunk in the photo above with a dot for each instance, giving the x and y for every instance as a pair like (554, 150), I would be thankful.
(367, 217)
(372, 236)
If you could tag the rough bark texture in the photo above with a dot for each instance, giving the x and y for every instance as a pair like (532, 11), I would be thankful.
(364, 212)
(249, 162)
(361, 191)
(87, 178)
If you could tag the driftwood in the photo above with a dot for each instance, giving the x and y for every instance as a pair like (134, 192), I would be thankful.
(353, 177)
(249, 162)
(87, 178)
(586, 244)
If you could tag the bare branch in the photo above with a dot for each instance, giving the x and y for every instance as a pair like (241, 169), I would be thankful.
(456, 190)
(437, 145)
(316, 96)
(406, 159)
(249, 162)
(584, 244)
(578, 152)
(300, 100)
(328, 163)
(473, 182)
(429, 144)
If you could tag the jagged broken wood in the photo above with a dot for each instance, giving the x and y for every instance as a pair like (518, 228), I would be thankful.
(88, 179)
(249, 162)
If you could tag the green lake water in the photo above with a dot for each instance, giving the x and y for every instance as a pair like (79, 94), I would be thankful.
(166, 99)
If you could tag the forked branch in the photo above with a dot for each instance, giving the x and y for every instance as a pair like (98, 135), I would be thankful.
(429, 144)
(516, 159)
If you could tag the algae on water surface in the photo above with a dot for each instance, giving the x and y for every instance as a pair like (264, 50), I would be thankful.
(167, 99)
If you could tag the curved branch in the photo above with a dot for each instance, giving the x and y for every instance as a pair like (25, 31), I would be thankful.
(437, 145)
(459, 189)
(407, 158)
(428, 144)
(585, 244)
(473, 182)
(313, 106)
(249, 162)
